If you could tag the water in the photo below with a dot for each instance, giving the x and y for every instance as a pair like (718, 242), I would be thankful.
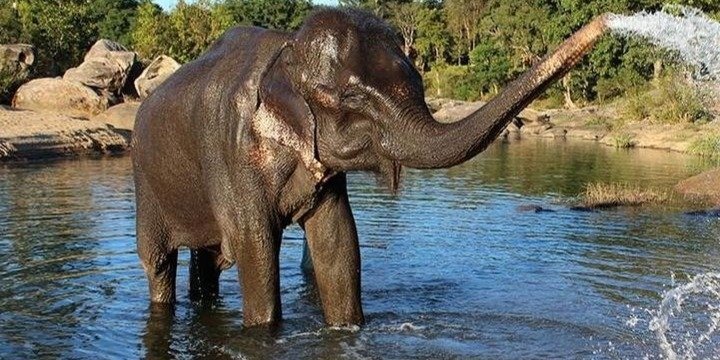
(451, 268)
(692, 34)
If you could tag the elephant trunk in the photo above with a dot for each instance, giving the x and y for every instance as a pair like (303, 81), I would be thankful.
(429, 144)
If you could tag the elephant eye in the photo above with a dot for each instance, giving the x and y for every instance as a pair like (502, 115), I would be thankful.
(353, 98)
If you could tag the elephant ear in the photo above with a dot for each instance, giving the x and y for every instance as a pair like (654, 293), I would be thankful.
(284, 116)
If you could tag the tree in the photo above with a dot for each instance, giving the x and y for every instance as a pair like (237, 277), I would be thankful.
(490, 65)
(114, 19)
(406, 17)
(193, 27)
(433, 40)
(61, 30)
(273, 14)
(149, 30)
(10, 25)
(463, 17)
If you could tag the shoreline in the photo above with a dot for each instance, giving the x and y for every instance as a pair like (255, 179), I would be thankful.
(592, 123)
(28, 135)
(33, 136)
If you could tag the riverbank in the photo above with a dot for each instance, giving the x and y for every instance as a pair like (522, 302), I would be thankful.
(601, 124)
(29, 135)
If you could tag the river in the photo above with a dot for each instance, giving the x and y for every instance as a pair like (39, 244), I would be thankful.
(451, 267)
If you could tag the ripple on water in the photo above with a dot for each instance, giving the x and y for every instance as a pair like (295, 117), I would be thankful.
(450, 267)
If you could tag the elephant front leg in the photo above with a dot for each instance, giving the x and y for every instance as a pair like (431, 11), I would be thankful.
(256, 254)
(334, 249)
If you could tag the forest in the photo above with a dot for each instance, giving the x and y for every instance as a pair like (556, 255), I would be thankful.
(465, 49)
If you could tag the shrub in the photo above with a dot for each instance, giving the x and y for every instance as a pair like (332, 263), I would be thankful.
(600, 122)
(636, 106)
(673, 102)
(9, 80)
(708, 146)
(681, 103)
(624, 141)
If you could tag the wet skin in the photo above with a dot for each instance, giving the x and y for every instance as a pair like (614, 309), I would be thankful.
(258, 133)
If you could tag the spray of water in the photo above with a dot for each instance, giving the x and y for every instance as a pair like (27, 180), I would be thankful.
(688, 31)
(688, 318)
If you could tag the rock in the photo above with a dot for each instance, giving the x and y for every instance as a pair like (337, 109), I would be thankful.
(529, 115)
(533, 208)
(106, 67)
(704, 213)
(436, 104)
(121, 117)
(104, 48)
(554, 133)
(158, 71)
(705, 186)
(29, 135)
(536, 129)
(16, 57)
(455, 111)
(59, 96)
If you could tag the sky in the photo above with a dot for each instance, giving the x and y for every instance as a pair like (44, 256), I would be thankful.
(169, 3)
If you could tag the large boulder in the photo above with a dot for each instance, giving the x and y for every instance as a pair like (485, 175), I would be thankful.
(121, 116)
(59, 96)
(158, 71)
(705, 186)
(16, 58)
(106, 67)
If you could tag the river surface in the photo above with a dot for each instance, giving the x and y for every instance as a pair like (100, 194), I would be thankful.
(451, 267)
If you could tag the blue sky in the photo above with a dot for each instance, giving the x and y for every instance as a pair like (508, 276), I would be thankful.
(169, 3)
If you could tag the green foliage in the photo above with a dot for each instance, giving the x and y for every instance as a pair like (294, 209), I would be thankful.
(193, 27)
(490, 66)
(113, 19)
(489, 41)
(671, 101)
(624, 141)
(708, 146)
(63, 30)
(60, 30)
(149, 31)
(683, 104)
(450, 81)
(10, 25)
(9, 80)
(273, 14)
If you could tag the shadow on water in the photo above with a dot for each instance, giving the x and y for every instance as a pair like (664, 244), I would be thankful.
(450, 267)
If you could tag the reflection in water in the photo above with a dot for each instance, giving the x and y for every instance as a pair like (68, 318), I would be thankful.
(450, 267)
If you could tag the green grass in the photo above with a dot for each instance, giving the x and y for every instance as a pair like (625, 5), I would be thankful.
(601, 122)
(624, 141)
(601, 195)
(708, 146)
(673, 101)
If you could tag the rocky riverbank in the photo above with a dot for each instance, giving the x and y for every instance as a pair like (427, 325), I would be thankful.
(591, 123)
(28, 135)
(89, 110)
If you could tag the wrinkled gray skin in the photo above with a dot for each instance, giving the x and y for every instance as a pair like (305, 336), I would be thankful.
(259, 132)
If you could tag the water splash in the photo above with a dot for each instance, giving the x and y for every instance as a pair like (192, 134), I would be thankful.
(688, 319)
(688, 31)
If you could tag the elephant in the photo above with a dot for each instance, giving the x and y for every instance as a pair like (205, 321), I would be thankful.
(260, 131)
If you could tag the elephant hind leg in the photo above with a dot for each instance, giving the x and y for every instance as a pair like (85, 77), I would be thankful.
(158, 257)
(159, 262)
(206, 264)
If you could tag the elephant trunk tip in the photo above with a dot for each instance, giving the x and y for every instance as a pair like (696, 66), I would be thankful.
(574, 48)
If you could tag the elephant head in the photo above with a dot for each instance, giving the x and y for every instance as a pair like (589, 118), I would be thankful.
(346, 72)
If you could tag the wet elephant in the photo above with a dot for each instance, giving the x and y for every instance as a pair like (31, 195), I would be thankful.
(259, 132)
